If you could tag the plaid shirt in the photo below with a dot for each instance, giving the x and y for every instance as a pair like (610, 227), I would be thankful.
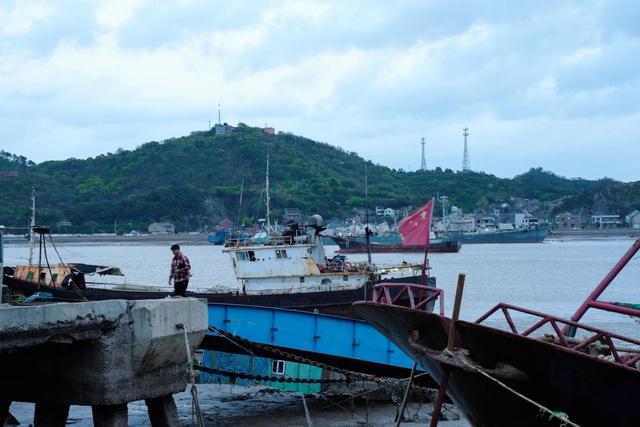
(180, 268)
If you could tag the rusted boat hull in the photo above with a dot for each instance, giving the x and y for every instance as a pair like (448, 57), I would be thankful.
(338, 302)
(591, 391)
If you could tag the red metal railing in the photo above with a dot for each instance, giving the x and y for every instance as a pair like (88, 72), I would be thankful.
(560, 325)
(419, 296)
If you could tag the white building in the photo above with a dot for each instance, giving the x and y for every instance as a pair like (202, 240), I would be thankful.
(605, 221)
(162, 228)
(389, 212)
(525, 220)
(633, 219)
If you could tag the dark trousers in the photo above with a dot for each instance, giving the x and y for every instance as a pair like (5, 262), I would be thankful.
(180, 288)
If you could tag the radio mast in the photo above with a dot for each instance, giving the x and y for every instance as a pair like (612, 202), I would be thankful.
(466, 164)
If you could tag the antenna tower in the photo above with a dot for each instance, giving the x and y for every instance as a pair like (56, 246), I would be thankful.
(424, 161)
(466, 165)
(219, 114)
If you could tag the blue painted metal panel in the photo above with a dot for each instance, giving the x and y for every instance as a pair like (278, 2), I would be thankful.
(311, 332)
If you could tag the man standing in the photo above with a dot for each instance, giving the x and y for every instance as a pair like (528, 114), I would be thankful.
(180, 272)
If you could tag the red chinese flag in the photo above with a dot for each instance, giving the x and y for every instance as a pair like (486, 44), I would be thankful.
(416, 227)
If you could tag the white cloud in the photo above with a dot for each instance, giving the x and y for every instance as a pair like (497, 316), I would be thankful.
(20, 19)
(113, 14)
(364, 76)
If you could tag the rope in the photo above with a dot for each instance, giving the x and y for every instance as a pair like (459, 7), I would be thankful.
(562, 417)
(195, 404)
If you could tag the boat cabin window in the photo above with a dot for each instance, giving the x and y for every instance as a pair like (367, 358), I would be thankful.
(345, 278)
(30, 275)
(301, 279)
(278, 367)
(43, 276)
(246, 255)
(281, 253)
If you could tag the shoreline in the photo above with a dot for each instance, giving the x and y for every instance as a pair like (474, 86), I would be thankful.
(201, 238)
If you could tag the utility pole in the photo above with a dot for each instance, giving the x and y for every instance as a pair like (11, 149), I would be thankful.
(466, 164)
(424, 161)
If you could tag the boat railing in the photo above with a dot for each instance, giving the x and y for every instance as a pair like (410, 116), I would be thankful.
(271, 241)
(419, 296)
(606, 340)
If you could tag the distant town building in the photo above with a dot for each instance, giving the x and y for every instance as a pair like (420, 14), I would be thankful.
(161, 228)
(379, 211)
(605, 221)
(568, 220)
(11, 173)
(389, 212)
(292, 215)
(525, 220)
(64, 223)
(487, 222)
(269, 131)
(633, 219)
(225, 223)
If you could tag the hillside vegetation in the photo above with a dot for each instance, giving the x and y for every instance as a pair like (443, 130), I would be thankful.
(195, 180)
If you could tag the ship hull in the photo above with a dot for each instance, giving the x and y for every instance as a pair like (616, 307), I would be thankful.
(358, 245)
(591, 391)
(335, 302)
(535, 235)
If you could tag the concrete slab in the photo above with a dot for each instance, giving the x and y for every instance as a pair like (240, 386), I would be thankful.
(119, 351)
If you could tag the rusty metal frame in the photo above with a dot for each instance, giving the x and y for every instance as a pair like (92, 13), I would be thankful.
(556, 322)
(382, 295)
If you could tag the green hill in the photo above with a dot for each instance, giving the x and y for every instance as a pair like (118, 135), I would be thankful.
(195, 180)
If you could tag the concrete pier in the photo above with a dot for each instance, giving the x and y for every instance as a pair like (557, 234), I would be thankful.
(101, 353)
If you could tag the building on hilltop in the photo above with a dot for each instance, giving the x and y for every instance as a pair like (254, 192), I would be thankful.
(268, 131)
(223, 129)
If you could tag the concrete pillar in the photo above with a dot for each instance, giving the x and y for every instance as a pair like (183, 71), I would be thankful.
(50, 415)
(163, 411)
(110, 415)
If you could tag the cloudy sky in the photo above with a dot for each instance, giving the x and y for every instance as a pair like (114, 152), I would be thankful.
(539, 83)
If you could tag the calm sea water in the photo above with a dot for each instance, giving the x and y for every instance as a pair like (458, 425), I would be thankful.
(553, 277)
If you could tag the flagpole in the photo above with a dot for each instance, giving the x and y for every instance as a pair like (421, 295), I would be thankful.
(426, 247)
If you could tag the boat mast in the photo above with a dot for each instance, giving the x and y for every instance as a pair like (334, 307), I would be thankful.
(367, 231)
(240, 207)
(32, 240)
(268, 202)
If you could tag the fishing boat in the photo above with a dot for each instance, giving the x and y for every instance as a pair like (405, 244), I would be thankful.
(293, 274)
(492, 235)
(359, 245)
(554, 371)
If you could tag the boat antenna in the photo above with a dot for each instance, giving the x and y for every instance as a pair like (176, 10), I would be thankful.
(32, 240)
(367, 231)
(240, 206)
(268, 201)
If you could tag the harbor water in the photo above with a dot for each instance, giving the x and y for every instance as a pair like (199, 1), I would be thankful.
(553, 277)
